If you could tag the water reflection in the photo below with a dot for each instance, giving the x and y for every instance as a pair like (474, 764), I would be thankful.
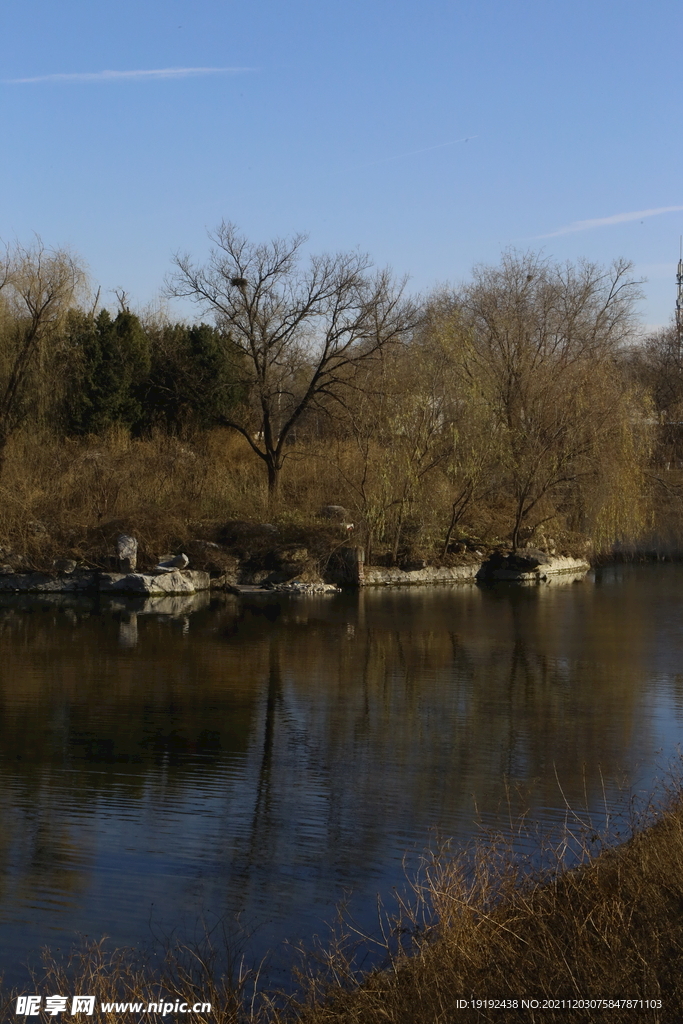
(166, 758)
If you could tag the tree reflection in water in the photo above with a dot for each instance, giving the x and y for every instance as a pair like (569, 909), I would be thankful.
(266, 757)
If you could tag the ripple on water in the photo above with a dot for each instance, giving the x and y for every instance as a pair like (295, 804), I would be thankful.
(267, 759)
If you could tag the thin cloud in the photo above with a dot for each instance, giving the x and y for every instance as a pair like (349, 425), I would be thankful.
(126, 76)
(617, 218)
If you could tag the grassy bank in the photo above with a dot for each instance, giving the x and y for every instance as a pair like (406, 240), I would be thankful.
(480, 927)
(611, 928)
(70, 498)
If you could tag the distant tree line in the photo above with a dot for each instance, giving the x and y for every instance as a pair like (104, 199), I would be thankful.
(118, 371)
(518, 405)
(87, 370)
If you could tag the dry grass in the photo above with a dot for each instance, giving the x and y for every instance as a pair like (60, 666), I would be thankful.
(123, 976)
(70, 497)
(479, 926)
(485, 927)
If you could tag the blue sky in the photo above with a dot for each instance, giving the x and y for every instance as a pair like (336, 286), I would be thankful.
(342, 121)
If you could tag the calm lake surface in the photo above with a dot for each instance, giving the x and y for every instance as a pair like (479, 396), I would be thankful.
(169, 763)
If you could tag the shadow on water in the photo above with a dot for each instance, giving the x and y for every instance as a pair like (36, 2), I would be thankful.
(172, 760)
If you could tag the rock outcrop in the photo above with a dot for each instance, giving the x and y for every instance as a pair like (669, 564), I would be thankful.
(376, 575)
(296, 587)
(180, 581)
(44, 583)
(127, 551)
(530, 567)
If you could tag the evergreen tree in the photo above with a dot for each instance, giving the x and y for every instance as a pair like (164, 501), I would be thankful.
(111, 363)
(194, 379)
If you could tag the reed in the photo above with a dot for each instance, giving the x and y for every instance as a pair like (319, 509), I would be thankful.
(70, 497)
(591, 921)
(572, 921)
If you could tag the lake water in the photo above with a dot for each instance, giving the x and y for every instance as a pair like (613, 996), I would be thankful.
(191, 761)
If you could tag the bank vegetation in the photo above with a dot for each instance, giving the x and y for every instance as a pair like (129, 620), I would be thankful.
(521, 408)
(584, 927)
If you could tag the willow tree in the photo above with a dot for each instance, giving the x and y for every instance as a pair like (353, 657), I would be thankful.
(656, 364)
(302, 327)
(540, 340)
(414, 442)
(469, 440)
(386, 444)
(38, 286)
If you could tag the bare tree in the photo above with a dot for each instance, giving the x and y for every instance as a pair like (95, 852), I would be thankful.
(469, 444)
(37, 288)
(302, 330)
(541, 344)
(657, 365)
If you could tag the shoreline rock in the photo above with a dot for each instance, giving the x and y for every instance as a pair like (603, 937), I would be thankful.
(378, 576)
(478, 572)
(531, 567)
(180, 581)
(176, 581)
(527, 568)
